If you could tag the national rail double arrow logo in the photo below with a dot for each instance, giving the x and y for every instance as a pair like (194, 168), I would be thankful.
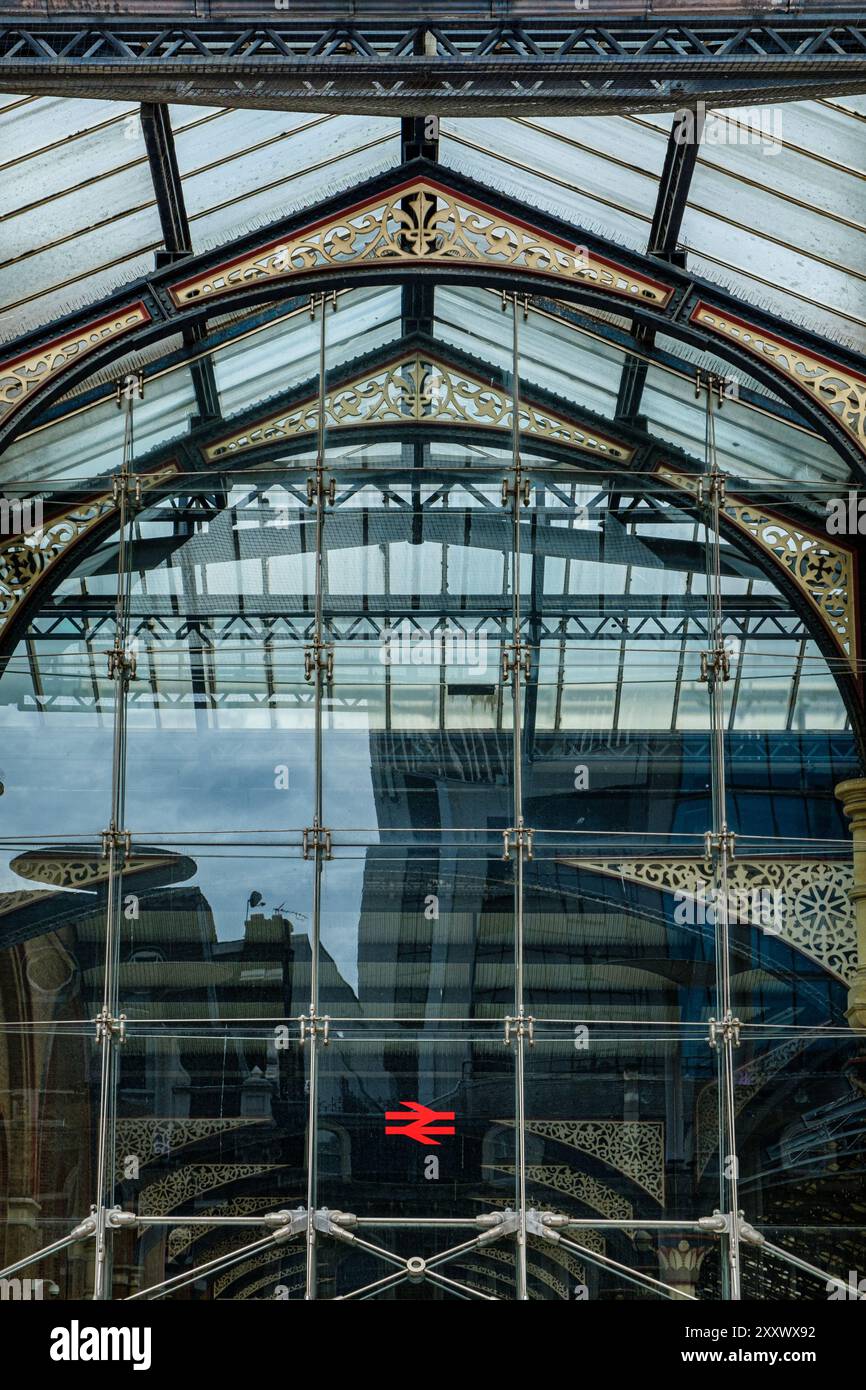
(416, 1122)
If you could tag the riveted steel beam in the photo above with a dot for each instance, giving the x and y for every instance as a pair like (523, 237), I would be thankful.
(459, 64)
(168, 187)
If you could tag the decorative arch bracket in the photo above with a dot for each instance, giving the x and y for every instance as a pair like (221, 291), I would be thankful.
(823, 570)
(28, 561)
(816, 917)
(417, 388)
(419, 219)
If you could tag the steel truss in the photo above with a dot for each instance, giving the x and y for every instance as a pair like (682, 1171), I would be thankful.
(286, 1226)
(458, 66)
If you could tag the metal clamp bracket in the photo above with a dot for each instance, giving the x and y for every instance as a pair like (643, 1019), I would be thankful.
(122, 665)
(114, 839)
(129, 387)
(318, 301)
(715, 842)
(720, 386)
(717, 661)
(334, 1223)
(318, 489)
(119, 1219)
(521, 1026)
(520, 490)
(125, 485)
(544, 1223)
(314, 1026)
(509, 298)
(107, 1026)
(517, 837)
(521, 659)
(319, 656)
(316, 837)
(726, 1029)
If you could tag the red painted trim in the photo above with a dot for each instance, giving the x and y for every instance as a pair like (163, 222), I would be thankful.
(394, 191)
(773, 337)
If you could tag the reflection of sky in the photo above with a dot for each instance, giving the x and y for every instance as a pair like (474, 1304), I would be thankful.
(179, 783)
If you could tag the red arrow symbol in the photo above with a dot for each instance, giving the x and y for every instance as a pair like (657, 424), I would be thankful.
(416, 1122)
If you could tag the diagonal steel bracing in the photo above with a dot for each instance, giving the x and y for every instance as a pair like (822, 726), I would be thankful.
(460, 63)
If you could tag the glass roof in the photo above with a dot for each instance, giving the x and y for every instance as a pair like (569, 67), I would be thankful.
(266, 360)
(79, 216)
(797, 167)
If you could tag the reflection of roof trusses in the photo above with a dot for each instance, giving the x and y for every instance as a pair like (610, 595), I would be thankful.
(261, 529)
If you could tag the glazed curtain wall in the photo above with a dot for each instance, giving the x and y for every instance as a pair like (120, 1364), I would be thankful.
(386, 919)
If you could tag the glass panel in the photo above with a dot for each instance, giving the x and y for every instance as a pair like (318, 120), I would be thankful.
(210, 1140)
(220, 725)
(800, 1113)
(613, 1113)
(418, 925)
(215, 929)
(416, 1125)
(49, 1078)
(417, 664)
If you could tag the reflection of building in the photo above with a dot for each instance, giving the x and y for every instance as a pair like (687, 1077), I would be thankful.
(183, 1085)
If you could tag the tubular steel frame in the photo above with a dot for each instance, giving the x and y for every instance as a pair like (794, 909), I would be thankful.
(310, 1221)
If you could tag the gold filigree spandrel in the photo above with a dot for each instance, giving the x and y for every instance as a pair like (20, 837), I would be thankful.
(424, 390)
(427, 222)
(840, 391)
(822, 568)
(25, 559)
(21, 376)
(816, 915)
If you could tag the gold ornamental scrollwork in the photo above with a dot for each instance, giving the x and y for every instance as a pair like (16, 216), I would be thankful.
(182, 1185)
(840, 391)
(418, 389)
(583, 1187)
(80, 871)
(151, 1139)
(421, 221)
(26, 559)
(635, 1148)
(815, 914)
(821, 568)
(21, 377)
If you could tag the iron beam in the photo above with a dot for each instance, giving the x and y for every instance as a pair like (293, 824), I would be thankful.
(168, 188)
(455, 65)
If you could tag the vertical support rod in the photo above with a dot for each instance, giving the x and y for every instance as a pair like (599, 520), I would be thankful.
(318, 811)
(728, 1176)
(516, 695)
(105, 1159)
